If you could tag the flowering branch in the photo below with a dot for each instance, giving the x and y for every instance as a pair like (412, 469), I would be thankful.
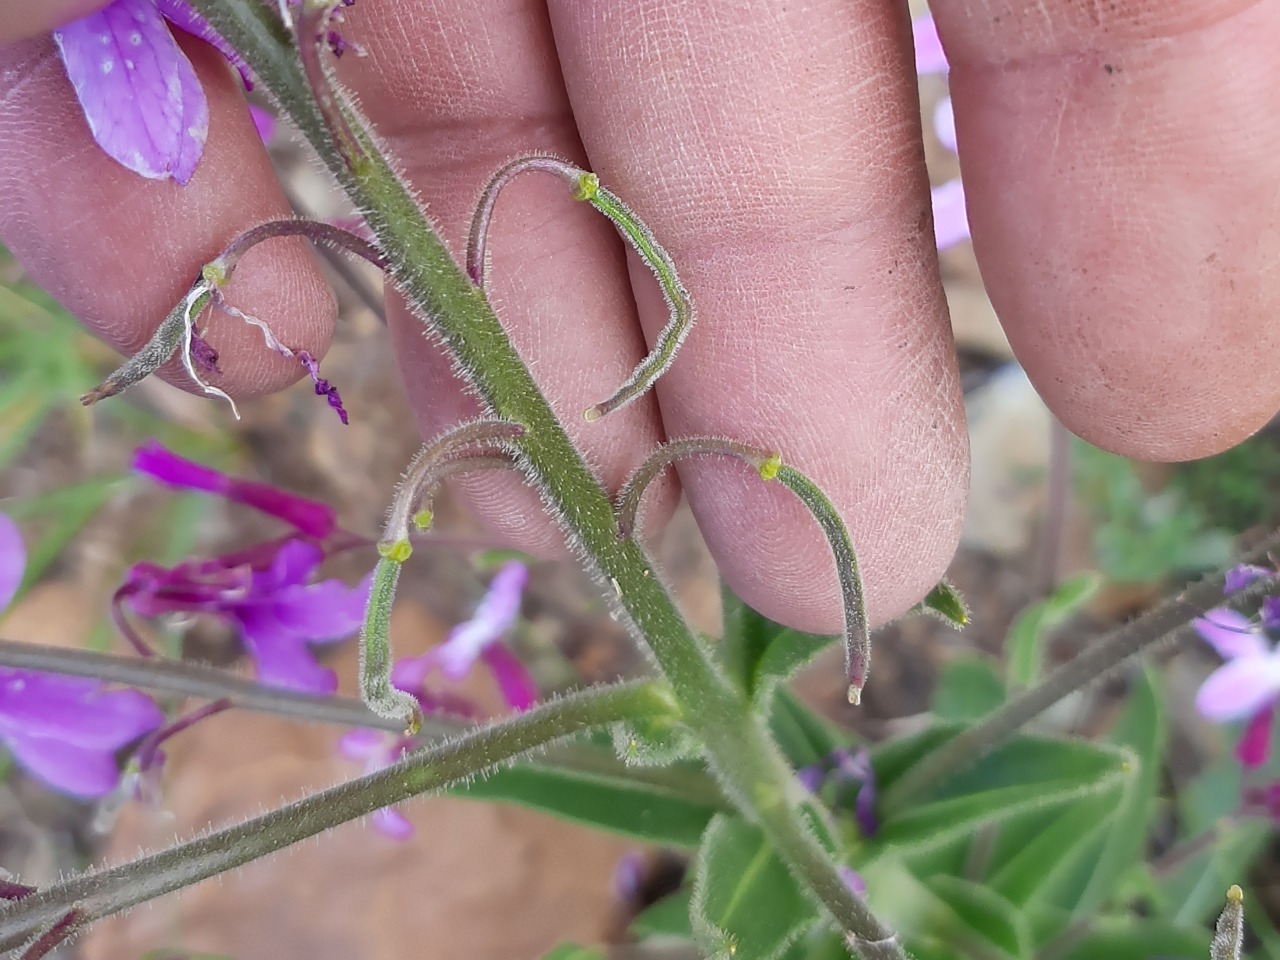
(1168, 623)
(736, 742)
(102, 893)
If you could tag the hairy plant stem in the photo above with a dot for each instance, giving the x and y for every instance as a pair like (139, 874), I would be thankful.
(203, 683)
(456, 311)
(1168, 623)
(101, 893)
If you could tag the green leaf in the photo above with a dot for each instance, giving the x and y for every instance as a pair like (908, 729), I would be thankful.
(759, 653)
(945, 602)
(1141, 940)
(745, 904)
(1027, 775)
(1044, 852)
(671, 806)
(571, 951)
(1140, 729)
(803, 736)
(968, 688)
(977, 912)
(669, 917)
(1025, 643)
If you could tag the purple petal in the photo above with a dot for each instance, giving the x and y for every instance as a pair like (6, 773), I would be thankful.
(293, 565)
(325, 611)
(853, 880)
(13, 560)
(812, 777)
(929, 55)
(950, 214)
(410, 673)
(322, 386)
(76, 770)
(264, 122)
(392, 823)
(283, 660)
(494, 616)
(1240, 577)
(1255, 744)
(944, 124)
(76, 710)
(517, 686)
(1239, 689)
(1271, 613)
(184, 18)
(362, 745)
(139, 93)
(310, 517)
(1232, 634)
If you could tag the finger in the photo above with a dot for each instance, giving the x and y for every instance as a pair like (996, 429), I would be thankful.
(118, 251)
(776, 151)
(455, 91)
(1120, 165)
(20, 19)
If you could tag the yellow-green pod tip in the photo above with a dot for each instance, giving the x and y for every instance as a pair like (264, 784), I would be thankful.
(770, 467)
(414, 726)
(397, 552)
(214, 274)
(588, 187)
(592, 414)
(423, 519)
(1235, 894)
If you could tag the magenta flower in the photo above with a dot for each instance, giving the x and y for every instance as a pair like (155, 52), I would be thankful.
(479, 639)
(140, 95)
(311, 517)
(950, 214)
(267, 592)
(65, 731)
(1246, 687)
(377, 750)
(845, 771)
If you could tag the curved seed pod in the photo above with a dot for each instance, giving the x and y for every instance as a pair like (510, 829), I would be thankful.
(375, 647)
(857, 635)
(178, 328)
(586, 187)
(454, 451)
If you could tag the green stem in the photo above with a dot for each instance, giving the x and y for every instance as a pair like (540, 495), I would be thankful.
(104, 892)
(1169, 622)
(456, 310)
(203, 683)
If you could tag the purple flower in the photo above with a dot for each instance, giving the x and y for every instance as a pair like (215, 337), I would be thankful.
(950, 215)
(480, 639)
(310, 517)
(377, 750)
(266, 592)
(1246, 687)
(140, 95)
(1241, 576)
(64, 731)
(843, 769)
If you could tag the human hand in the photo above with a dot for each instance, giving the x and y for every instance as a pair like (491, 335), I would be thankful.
(1118, 163)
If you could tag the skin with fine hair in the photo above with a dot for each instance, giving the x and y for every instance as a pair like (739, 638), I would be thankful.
(1122, 194)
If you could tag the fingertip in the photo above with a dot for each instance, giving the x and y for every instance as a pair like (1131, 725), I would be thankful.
(23, 19)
